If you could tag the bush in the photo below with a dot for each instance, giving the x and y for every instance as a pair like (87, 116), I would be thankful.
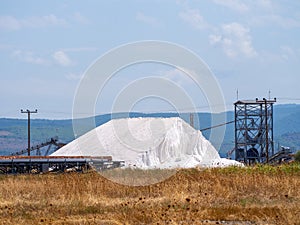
(297, 156)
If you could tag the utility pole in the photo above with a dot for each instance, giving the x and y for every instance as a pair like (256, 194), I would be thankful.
(28, 113)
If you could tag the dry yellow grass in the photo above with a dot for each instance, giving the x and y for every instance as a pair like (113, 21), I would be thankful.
(259, 195)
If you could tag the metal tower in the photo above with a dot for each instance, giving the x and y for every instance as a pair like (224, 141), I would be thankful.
(254, 130)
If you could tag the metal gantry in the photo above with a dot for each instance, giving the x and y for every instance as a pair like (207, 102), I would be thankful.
(254, 130)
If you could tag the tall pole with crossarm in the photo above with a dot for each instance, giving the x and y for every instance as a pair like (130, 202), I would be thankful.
(28, 113)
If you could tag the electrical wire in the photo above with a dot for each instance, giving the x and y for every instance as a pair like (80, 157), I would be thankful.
(219, 125)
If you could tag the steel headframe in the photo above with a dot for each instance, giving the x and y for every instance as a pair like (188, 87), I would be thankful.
(254, 130)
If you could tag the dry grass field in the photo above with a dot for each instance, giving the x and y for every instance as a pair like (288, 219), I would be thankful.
(250, 195)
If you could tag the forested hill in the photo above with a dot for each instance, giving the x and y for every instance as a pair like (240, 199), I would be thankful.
(13, 132)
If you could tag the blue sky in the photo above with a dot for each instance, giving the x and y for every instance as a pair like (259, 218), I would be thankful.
(46, 46)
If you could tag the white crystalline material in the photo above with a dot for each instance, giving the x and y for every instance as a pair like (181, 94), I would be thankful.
(148, 143)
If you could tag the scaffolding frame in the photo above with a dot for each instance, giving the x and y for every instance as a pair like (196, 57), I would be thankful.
(254, 130)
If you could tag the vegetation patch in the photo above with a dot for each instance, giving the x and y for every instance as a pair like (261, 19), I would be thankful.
(261, 194)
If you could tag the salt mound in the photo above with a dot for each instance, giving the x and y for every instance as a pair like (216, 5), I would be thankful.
(148, 143)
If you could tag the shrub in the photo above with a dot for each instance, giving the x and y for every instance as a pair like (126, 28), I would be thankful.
(297, 156)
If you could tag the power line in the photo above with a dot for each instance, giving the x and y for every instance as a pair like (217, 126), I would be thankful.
(219, 125)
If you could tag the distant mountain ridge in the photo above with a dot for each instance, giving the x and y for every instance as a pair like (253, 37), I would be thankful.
(13, 132)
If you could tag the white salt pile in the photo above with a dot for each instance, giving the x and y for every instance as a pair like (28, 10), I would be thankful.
(148, 143)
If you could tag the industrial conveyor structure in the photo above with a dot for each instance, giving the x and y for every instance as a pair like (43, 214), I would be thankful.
(283, 155)
(45, 164)
(18, 163)
(51, 142)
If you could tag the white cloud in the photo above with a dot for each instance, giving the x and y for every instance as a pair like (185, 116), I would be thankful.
(74, 76)
(246, 6)
(179, 76)
(12, 23)
(29, 57)
(235, 5)
(265, 4)
(62, 58)
(9, 23)
(48, 20)
(5, 46)
(147, 19)
(235, 40)
(80, 49)
(275, 14)
(78, 17)
(194, 18)
(272, 19)
(214, 39)
(287, 52)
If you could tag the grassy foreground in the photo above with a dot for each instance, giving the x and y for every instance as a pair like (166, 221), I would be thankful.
(251, 195)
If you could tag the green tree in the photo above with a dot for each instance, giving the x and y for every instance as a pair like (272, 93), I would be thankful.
(297, 156)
